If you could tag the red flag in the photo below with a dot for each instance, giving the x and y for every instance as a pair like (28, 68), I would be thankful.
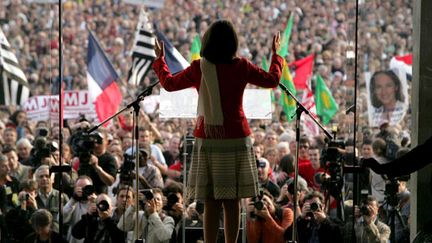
(303, 71)
(403, 64)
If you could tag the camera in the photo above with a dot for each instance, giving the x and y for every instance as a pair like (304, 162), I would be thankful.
(314, 207)
(172, 199)
(42, 132)
(103, 205)
(364, 210)
(126, 169)
(333, 159)
(86, 192)
(257, 203)
(148, 194)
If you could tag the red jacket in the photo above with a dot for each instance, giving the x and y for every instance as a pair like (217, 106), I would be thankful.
(269, 231)
(233, 78)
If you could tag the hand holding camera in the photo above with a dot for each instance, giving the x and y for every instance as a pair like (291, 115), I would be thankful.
(313, 211)
(94, 161)
(369, 213)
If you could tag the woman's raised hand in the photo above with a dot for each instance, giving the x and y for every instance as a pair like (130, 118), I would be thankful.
(159, 48)
(276, 43)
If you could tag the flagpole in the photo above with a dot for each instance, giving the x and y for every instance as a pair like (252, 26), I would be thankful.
(300, 109)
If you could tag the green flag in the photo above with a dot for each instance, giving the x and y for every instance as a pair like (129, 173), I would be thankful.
(195, 49)
(326, 106)
(287, 102)
(283, 51)
(265, 67)
(264, 64)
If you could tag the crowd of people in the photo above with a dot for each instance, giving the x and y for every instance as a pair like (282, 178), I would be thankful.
(98, 195)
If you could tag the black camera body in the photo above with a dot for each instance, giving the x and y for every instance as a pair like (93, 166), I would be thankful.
(333, 160)
(86, 192)
(172, 199)
(258, 203)
(126, 169)
(391, 192)
(148, 194)
(314, 207)
(364, 210)
(82, 144)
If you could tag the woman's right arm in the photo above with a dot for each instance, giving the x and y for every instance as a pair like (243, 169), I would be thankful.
(184, 79)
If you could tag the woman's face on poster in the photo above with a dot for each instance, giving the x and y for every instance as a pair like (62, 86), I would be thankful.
(385, 90)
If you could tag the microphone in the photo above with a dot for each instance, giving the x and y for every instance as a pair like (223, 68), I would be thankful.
(350, 109)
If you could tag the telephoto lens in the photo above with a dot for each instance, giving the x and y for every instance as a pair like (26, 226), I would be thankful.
(259, 205)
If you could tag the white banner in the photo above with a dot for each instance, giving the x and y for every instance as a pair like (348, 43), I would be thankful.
(148, 3)
(183, 104)
(45, 107)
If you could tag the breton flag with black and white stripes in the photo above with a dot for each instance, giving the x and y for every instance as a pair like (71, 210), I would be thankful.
(142, 52)
(14, 89)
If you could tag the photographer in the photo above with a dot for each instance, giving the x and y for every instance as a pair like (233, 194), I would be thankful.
(368, 228)
(149, 175)
(96, 162)
(155, 226)
(266, 222)
(314, 225)
(397, 203)
(98, 225)
(17, 220)
(78, 205)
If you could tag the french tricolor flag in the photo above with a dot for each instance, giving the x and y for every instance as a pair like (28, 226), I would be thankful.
(402, 64)
(175, 61)
(101, 79)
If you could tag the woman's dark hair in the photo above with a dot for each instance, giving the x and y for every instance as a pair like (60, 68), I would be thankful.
(399, 95)
(220, 42)
(14, 116)
(286, 164)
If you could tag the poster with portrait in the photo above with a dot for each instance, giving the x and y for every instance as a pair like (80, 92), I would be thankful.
(387, 97)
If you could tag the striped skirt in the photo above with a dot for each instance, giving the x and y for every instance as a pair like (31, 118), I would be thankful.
(223, 169)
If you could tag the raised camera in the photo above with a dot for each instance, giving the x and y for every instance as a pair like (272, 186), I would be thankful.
(103, 205)
(364, 210)
(315, 207)
(148, 194)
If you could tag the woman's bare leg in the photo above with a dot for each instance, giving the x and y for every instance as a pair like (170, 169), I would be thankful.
(212, 209)
(231, 219)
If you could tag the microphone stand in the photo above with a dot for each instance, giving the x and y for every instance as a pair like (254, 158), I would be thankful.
(300, 109)
(136, 106)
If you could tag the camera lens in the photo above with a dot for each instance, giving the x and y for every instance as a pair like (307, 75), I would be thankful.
(364, 210)
(148, 195)
(259, 205)
(314, 207)
(103, 205)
